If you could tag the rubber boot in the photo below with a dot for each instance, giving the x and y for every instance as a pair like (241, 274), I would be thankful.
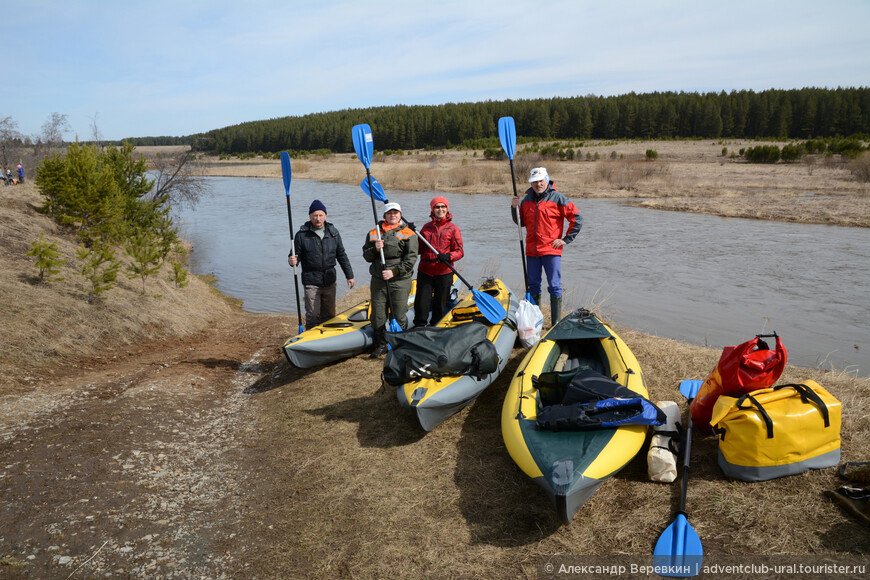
(555, 309)
(537, 299)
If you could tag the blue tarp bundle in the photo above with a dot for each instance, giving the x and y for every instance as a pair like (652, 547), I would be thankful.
(604, 414)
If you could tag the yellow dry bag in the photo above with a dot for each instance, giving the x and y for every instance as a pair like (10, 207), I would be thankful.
(779, 431)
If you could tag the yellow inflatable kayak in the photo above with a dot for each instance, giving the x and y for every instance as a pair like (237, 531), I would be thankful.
(347, 334)
(435, 399)
(571, 465)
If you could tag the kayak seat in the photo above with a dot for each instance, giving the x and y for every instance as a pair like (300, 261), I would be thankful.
(573, 356)
(360, 315)
(585, 354)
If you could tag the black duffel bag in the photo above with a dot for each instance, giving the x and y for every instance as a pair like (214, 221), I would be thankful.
(578, 386)
(433, 352)
(590, 385)
(590, 401)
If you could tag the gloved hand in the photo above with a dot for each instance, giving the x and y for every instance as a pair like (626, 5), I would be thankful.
(444, 258)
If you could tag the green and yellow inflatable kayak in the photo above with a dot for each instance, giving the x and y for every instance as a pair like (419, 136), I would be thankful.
(571, 465)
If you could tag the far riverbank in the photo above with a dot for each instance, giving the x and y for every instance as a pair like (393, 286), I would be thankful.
(687, 176)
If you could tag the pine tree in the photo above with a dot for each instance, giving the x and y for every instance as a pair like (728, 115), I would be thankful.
(81, 190)
(99, 267)
(179, 274)
(48, 260)
(144, 251)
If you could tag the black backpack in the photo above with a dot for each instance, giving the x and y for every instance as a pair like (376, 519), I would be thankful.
(432, 352)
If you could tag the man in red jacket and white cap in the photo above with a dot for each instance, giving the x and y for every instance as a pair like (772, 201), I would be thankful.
(543, 212)
(434, 277)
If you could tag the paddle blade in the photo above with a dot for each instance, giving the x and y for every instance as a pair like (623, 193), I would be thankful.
(286, 171)
(690, 388)
(489, 307)
(507, 134)
(377, 189)
(394, 326)
(529, 299)
(678, 553)
(363, 144)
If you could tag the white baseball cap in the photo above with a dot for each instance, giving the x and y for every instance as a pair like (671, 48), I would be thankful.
(392, 206)
(538, 174)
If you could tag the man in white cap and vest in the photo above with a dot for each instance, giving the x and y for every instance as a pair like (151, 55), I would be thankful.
(544, 211)
(399, 245)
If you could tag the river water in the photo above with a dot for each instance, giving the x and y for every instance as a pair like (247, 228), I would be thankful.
(695, 278)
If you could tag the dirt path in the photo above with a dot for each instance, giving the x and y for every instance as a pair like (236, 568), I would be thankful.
(118, 468)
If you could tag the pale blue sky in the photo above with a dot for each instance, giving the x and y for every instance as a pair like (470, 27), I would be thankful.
(155, 67)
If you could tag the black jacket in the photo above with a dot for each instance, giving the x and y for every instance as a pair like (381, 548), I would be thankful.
(318, 257)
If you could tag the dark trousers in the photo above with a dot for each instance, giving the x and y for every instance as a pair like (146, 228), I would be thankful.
(319, 304)
(432, 295)
(399, 292)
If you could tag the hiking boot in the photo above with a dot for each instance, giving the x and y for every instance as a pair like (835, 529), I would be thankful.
(555, 310)
(380, 350)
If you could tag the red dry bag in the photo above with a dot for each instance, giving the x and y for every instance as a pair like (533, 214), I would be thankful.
(743, 368)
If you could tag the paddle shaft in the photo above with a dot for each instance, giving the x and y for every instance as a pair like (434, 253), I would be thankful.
(293, 253)
(507, 134)
(687, 453)
(520, 229)
(378, 233)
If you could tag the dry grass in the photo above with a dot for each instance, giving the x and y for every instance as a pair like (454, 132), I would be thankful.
(851, 211)
(628, 173)
(50, 324)
(453, 503)
(152, 151)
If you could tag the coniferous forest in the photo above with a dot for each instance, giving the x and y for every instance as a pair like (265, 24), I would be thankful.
(772, 114)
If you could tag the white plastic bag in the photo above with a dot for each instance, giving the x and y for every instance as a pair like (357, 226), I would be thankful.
(530, 320)
(661, 458)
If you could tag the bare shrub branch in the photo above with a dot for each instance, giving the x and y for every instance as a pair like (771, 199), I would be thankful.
(175, 178)
(10, 140)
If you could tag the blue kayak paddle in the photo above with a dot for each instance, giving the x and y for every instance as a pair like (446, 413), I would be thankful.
(376, 188)
(678, 552)
(487, 304)
(364, 145)
(507, 134)
(287, 173)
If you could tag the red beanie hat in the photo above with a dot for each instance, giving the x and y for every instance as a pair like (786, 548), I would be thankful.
(436, 200)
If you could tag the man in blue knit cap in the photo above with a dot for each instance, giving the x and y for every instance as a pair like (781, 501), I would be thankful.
(318, 247)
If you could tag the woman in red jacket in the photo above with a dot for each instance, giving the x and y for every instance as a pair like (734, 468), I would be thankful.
(434, 278)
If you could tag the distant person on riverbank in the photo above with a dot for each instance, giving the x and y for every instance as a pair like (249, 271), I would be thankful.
(20, 174)
(543, 211)
(434, 277)
(318, 247)
(399, 246)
